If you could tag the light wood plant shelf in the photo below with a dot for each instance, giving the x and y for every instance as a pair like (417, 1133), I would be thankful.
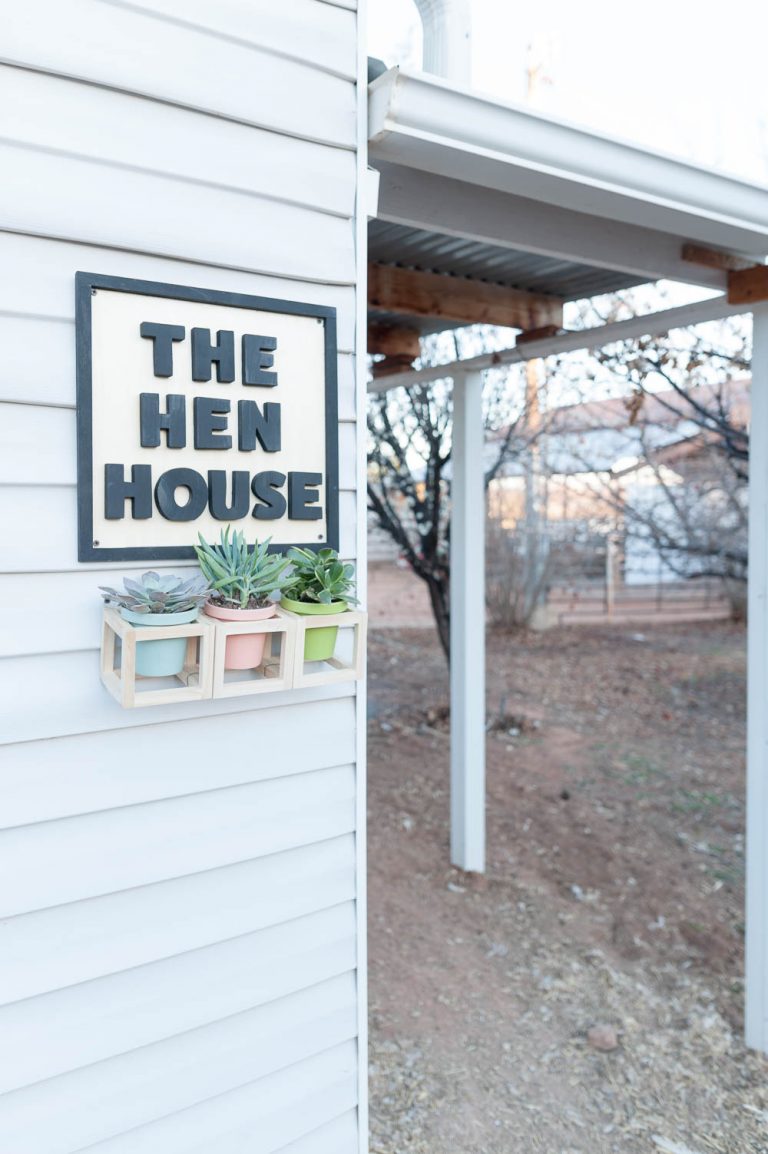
(204, 676)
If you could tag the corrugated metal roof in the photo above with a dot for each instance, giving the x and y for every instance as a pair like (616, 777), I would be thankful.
(435, 252)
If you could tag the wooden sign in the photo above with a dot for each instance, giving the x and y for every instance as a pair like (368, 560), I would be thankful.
(197, 409)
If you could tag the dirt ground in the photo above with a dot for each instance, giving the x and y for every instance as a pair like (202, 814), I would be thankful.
(613, 899)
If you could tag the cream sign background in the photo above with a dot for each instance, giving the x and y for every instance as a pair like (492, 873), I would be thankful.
(170, 445)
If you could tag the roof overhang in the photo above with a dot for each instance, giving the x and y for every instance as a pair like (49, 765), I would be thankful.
(459, 163)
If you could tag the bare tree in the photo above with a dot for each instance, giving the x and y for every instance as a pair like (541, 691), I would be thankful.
(684, 493)
(697, 366)
(689, 502)
(409, 454)
(686, 411)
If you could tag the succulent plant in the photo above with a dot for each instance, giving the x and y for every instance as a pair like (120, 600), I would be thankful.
(241, 576)
(156, 594)
(319, 577)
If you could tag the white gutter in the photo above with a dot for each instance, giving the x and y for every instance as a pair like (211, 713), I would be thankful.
(447, 50)
(650, 325)
(428, 124)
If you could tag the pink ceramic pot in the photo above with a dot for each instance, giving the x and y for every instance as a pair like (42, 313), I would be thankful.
(244, 650)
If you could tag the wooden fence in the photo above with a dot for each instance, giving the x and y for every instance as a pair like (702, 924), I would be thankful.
(596, 602)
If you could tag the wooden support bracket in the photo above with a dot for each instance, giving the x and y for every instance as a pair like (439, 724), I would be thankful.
(747, 281)
(541, 334)
(748, 286)
(440, 296)
(391, 365)
(393, 341)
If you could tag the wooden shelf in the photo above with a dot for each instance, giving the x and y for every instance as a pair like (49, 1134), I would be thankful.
(204, 676)
(118, 662)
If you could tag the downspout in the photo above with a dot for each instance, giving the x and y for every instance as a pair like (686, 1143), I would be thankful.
(447, 49)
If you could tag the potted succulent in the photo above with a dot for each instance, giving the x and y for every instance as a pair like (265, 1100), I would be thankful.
(243, 581)
(160, 601)
(319, 583)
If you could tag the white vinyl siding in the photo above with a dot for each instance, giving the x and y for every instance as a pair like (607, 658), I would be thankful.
(62, 945)
(139, 50)
(178, 885)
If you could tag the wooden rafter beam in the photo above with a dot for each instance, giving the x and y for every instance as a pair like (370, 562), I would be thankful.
(410, 292)
(655, 324)
(714, 258)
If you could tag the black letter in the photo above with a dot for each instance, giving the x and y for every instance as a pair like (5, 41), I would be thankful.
(173, 420)
(117, 491)
(217, 495)
(165, 494)
(204, 354)
(300, 500)
(253, 423)
(210, 421)
(265, 488)
(257, 358)
(163, 337)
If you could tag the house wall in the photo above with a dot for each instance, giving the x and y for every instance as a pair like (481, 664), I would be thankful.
(180, 901)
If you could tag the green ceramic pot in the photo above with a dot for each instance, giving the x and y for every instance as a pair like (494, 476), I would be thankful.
(163, 658)
(319, 644)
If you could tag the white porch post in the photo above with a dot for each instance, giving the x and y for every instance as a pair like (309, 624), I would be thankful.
(756, 984)
(468, 626)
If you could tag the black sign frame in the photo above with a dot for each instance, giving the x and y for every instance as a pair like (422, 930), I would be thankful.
(86, 284)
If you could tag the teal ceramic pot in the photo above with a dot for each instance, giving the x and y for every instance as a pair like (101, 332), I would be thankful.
(165, 657)
(319, 644)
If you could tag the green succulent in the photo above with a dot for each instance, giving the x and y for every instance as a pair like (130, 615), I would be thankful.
(319, 577)
(156, 594)
(241, 576)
